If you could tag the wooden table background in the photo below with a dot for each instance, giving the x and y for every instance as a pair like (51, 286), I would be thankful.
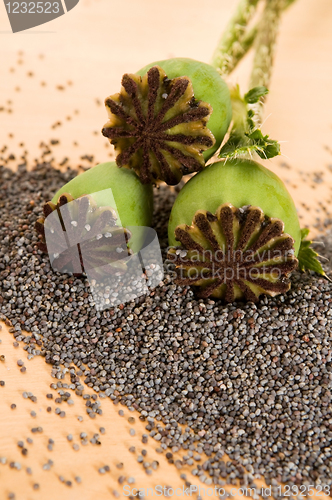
(53, 80)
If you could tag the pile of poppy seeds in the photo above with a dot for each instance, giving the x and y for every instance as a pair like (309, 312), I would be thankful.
(248, 381)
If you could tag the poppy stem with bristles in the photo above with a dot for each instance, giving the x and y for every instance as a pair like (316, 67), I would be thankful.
(235, 41)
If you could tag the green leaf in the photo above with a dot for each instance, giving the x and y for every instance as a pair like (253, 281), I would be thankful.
(247, 144)
(266, 148)
(245, 139)
(255, 94)
(308, 257)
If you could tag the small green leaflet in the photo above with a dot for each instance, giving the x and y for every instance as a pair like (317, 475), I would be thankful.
(308, 257)
(255, 94)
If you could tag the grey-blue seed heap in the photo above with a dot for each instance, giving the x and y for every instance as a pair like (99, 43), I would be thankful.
(251, 381)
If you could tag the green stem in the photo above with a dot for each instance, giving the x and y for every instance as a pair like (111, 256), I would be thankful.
(265, 44)
(231, 47)
(265, 48)
(239, 50)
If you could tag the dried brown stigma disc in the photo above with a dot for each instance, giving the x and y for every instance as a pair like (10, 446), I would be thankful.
(80, 237)
(238, 253)
(157, 126)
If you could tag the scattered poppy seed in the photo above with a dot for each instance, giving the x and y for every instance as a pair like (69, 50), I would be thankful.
(203, 345)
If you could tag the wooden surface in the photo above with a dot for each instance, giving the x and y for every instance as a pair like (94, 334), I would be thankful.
(16, 425)
(61, 72)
